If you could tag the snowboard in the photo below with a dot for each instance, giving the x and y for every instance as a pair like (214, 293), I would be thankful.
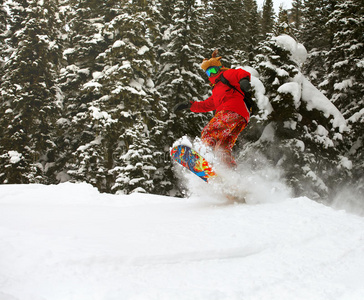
(193, 161)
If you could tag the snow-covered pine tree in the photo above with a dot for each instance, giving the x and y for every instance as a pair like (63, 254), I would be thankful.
(268, 15)
(162, 135)
(164, 23)
(30, 96)
(223, 29)
(296, 15)
(141, 164)
(346, 76)
(138, 164)
(301, 126)
(179, 77)
(316, 35)
(249, 29)
(122, 106)
(345, 83)
(4, 17)
(282, 26)
(4, 55)
(84, 21)
(233, 26)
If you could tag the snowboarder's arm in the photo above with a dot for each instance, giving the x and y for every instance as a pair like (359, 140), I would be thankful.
(204, 106)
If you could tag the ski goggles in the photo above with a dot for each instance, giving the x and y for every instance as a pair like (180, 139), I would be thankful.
(212, 70)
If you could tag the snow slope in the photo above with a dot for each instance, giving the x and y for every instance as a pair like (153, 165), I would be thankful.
(68, 242)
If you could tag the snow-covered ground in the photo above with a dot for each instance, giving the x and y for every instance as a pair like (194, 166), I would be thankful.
(69, 242)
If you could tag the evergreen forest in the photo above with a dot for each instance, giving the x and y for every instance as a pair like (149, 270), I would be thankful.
(88, 89)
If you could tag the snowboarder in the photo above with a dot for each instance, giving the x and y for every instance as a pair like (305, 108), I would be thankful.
(232, 102)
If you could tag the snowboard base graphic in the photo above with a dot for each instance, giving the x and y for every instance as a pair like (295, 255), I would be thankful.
(193, 161)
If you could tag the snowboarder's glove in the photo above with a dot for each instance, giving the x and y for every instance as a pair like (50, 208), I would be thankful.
(245, 85)
(182, 106)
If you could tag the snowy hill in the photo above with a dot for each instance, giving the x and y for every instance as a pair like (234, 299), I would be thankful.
(70, 242)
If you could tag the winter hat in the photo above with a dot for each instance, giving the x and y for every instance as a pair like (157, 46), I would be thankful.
(212, 62)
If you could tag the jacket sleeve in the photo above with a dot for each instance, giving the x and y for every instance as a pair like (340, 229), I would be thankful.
(204, 106)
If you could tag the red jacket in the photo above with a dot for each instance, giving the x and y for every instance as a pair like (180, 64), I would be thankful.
(223, 97)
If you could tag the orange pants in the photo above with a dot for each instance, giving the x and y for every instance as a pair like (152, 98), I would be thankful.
(221, 134)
